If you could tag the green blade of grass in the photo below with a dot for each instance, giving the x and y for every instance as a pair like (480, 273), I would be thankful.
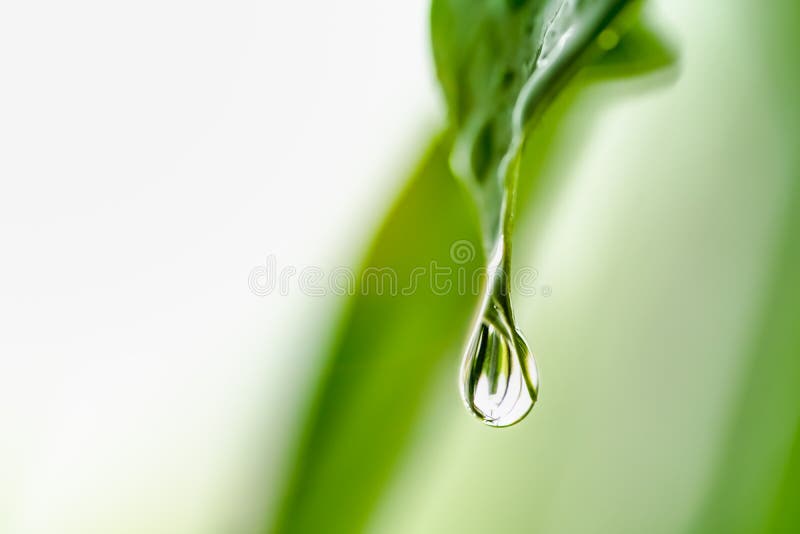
(378, 371)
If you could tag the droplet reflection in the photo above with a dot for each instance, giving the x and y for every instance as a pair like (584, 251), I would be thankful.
(499, 379)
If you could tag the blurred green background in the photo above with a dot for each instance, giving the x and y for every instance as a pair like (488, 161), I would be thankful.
(662, 214)
(152, 154)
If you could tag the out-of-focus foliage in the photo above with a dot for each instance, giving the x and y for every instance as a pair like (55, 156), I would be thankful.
(499, 63)
(757, 482)
(390, 343)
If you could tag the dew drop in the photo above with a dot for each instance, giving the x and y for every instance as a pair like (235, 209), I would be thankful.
(499, 380)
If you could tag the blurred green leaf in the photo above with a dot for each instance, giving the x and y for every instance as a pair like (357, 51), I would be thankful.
(757, 482)
(500, 62)
(758, 478)
(380, 367)
(640, 51)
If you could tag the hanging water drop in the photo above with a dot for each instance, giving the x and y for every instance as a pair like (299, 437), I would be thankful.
(499, 379)
(520, 60)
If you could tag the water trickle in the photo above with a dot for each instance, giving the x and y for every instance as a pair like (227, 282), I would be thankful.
(499, 380)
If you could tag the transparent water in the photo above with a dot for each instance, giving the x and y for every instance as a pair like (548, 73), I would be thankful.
(499, 378)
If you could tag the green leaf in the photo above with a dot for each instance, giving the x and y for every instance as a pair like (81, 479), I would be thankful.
(378, 371)
(500, 62)
(639, 52)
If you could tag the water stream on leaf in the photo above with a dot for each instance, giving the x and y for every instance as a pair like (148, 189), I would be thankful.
(499, 378)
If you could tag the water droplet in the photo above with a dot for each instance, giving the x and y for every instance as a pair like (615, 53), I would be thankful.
(499, 380)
